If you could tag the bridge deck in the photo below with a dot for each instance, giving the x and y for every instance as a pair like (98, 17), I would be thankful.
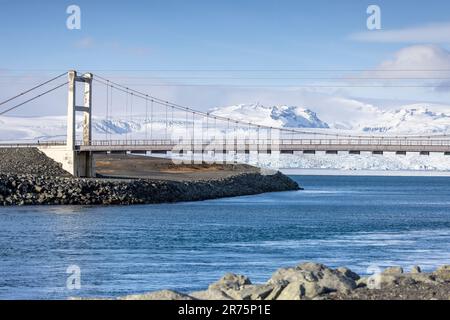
(283, 145)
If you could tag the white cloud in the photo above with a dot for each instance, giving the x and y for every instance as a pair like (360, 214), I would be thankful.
(332, 104)
(427, 65)
(431, 33)
(423, 57)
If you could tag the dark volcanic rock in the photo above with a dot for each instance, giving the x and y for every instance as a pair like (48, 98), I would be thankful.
(29, 177)
(29, 161)
(27, 189)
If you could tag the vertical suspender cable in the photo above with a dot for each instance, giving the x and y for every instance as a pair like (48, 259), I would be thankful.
(207, 127)
(107, 109)
(146, 117)
(111, 111)
(249, 135)
(227, 137)
(131, 116)
(270, 138)
(257, 143)
(215, 127)
(151, 120)
(202, 136)
(235, 142)
(215, 138)
(172, 125)
(166, 107)
(126, 113)
(193, 131)
(186, 123)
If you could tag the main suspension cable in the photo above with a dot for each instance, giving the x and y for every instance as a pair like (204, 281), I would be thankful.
(34, 98)
(34, 88)
(254, 125)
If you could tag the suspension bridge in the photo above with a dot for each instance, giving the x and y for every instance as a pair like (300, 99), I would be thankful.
(173, 129)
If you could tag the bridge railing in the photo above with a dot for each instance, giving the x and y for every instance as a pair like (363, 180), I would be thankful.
(247, 142)
(18, 144)
(312, 142)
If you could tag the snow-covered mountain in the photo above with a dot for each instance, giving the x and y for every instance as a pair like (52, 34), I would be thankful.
(410, 119)
(277, 116)
(54, 128)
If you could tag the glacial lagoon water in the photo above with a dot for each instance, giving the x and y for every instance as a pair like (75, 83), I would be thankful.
(354, 221)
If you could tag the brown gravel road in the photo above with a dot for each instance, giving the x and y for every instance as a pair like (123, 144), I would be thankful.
(134, 166)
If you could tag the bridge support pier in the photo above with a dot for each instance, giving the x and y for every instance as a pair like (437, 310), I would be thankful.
(77, 163)
(84, 164)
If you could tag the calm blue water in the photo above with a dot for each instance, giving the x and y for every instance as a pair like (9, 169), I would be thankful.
(352, 221)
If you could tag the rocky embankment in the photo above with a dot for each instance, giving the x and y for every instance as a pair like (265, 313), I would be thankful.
(29, 161)
(32, 189)
(313, 281)
(28, 177)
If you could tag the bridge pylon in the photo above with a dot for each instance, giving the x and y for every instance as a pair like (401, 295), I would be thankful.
(78, 163)
(73, 108)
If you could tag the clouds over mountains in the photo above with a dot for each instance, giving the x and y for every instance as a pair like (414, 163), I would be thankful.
(418, 65)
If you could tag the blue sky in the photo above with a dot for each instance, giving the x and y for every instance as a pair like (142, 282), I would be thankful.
(199, 34)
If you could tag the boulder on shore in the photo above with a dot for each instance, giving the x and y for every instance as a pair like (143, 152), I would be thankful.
(310, 280)
(158, 295)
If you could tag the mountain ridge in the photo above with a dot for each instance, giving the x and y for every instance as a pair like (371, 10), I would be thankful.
(410, 119)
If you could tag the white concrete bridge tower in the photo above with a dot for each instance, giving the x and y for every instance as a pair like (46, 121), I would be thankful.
(78, 163)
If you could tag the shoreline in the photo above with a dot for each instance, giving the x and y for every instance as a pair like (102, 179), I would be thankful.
(314, 281)
(373, 173)
(29, 177)
(40, 190)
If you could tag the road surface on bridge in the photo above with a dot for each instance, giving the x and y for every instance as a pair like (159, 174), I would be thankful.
(248, 145)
